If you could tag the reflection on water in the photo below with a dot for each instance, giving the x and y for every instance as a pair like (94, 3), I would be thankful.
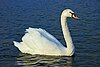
(38, 60)
(24, 60)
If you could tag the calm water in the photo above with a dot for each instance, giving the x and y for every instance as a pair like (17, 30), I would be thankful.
(17, 15)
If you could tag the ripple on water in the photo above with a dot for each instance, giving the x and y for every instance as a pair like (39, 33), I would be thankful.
(40, 60)
(18, 15)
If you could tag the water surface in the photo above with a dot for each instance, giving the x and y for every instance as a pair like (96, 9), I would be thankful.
(18, 15)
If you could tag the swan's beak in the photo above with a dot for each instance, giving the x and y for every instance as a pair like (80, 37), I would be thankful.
(74, 16)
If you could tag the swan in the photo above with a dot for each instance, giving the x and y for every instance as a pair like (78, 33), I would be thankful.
(39, 41)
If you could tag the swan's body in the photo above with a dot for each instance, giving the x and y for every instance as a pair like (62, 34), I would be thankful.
(38, 41)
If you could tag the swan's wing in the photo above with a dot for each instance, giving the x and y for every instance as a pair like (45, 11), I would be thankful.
(45, 34)
(41, 42)
(48, 36)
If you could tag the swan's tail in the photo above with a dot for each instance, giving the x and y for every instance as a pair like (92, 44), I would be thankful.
(23, 47)
(17, 44)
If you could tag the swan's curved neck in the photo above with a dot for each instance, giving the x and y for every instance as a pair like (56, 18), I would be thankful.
(66, 32)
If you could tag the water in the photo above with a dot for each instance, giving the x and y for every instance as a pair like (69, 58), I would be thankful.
(17, 15)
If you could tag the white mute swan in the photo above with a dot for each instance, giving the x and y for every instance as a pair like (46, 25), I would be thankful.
(38, 41)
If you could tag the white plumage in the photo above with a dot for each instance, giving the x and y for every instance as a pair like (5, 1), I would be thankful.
(38, 41)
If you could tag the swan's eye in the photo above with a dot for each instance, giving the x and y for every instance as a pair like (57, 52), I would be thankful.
(73, 14)
(69, 12)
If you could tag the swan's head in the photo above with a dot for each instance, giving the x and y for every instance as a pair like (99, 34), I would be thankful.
(69, 13)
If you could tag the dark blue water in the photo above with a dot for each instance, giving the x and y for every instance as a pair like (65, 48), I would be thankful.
(17, 15)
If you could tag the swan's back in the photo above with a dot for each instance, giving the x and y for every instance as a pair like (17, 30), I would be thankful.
(38, 41)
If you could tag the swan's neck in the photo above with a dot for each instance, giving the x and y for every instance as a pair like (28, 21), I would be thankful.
(66, 33)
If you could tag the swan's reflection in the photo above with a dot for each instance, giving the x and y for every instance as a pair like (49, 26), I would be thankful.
(39, 60)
